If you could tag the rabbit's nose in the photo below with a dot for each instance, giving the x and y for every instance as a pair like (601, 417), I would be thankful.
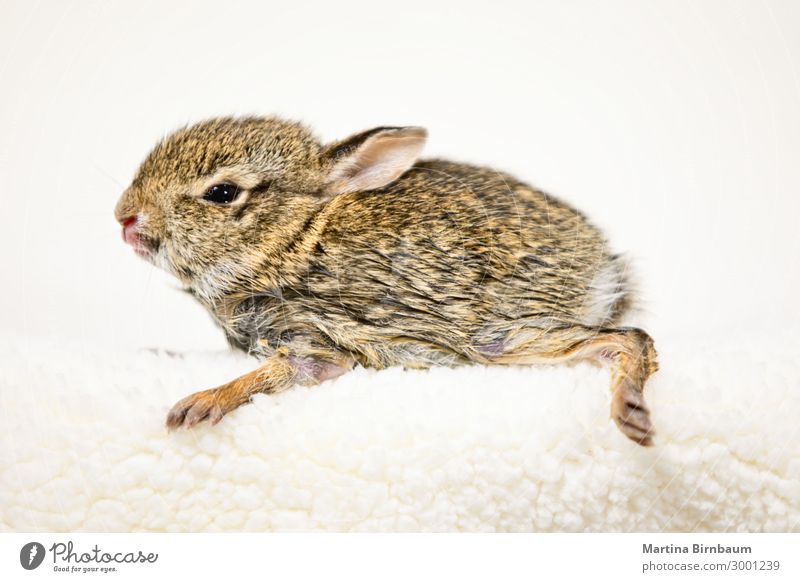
(129, 231)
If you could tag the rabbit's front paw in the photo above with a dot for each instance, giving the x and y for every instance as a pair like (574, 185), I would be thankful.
(207, 404)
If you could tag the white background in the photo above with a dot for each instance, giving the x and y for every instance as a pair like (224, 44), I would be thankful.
(674, 125)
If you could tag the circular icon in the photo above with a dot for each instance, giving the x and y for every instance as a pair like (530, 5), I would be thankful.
(31, 555)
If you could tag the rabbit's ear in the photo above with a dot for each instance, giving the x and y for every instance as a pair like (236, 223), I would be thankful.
(372, 159)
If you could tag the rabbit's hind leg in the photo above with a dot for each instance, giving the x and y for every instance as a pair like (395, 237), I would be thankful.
(630, 351)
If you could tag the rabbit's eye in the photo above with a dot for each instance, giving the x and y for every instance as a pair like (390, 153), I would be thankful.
(222, 193)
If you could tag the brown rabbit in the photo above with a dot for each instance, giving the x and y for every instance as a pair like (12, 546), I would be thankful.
(316, 258)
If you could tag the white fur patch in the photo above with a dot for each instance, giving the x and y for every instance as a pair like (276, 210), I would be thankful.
(608, 287)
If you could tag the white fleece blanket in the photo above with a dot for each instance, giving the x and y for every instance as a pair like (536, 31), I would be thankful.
(472, 449)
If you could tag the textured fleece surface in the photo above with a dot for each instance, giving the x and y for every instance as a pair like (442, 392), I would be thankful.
(471, 449)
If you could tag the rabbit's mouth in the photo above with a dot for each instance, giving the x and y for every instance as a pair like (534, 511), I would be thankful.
(143, 244)
(147, 246)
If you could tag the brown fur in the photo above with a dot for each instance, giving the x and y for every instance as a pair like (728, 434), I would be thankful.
(358, 253)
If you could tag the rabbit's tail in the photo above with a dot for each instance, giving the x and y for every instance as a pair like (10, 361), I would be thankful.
(610, 294)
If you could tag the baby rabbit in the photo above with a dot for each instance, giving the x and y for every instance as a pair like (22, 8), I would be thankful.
(318, 257)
